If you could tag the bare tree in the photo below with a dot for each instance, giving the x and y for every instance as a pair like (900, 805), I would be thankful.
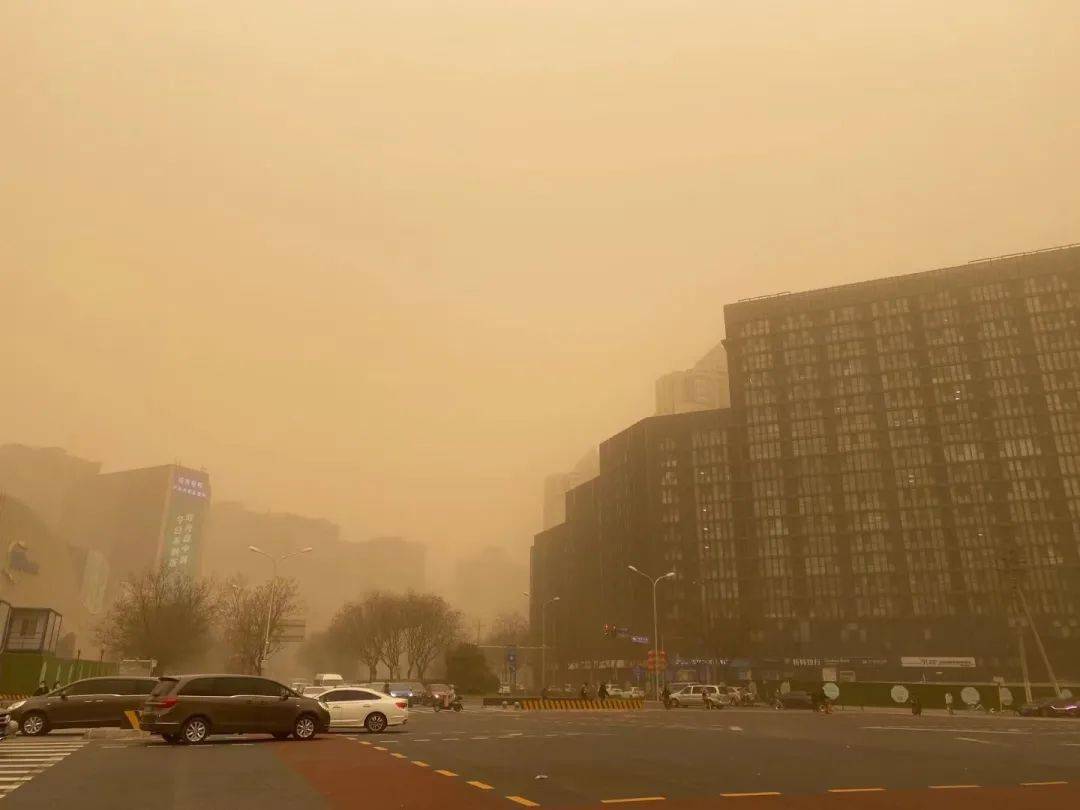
(354, 629)
(162, 614)
(253, 619)
(508, 630)
(430, 626)
(387, 616)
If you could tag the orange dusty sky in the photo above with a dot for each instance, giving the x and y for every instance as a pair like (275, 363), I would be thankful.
(391, 263)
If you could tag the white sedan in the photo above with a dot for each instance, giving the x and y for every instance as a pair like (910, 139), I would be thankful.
(352, 707)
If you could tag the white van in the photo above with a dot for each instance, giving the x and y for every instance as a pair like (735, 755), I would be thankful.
(328, 679)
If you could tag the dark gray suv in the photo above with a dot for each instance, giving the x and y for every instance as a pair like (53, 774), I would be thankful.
(189, 708)
(90, 703)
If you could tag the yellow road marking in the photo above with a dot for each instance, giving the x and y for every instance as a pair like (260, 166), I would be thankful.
(747, 795)
(396, 755)
(480, 785)
(856, 790)
(364, 742)
(637, 799)
(446, 773)
(379, 748)
(419, 763)
(951, 787)
(1035, 784)
(522, 801)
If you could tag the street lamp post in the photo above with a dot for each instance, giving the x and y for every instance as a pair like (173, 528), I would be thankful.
(655, 622)
(543, 640)
(270, 594)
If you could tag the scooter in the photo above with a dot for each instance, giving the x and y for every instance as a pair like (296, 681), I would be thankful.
(455, 704)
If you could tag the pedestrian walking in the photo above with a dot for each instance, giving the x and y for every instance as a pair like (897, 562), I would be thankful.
(584, 691)
(544, 693)
(948, 702)
(916, 705)
(665, 695)
(602, 693)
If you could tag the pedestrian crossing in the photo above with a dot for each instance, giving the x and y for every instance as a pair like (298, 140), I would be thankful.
(23, 758)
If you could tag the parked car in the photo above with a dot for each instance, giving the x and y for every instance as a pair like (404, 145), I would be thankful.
(1051, 707)
(795, 700)
(617, 691)
(636, 692)
(189, 708)
(695, 696)
(89, 703)
(411, 691)
(352, 707)
(7, 725)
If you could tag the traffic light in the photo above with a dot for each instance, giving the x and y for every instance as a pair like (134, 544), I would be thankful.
(653, 663)
(609, 631)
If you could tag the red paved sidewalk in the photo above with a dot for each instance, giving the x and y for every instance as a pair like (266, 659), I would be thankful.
(351, 775)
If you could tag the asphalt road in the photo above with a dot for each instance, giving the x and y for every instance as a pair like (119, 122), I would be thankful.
(492, 758)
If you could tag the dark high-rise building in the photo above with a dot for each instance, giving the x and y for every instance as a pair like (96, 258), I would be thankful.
(900, 465)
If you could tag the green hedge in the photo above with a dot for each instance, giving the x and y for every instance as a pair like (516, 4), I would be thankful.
(20, 673)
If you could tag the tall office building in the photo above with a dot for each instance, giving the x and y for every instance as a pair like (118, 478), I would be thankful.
(141, 518)
(898, 474)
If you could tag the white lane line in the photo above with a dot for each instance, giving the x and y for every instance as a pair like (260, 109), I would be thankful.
(972, 739)
(1037, 784)
(735, 728)
(950, 730)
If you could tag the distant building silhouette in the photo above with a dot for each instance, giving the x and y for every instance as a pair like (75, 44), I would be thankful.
(701, 388)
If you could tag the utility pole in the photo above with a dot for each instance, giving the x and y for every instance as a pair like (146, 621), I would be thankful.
(1038, 641)
(1023, 662)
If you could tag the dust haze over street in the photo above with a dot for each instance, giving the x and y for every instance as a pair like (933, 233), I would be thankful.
(562, 404)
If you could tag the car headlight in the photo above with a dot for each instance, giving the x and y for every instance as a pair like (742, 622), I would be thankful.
(15, 705)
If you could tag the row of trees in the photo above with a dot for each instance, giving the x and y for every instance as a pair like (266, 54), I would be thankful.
(180, 620)
(387, 629)
(186, 622)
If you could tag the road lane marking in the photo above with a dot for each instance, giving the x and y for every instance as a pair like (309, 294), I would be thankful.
(424, 739)
(748, 795)
(951, 730)
(950, 787)
(635, 799)
(364, 742)
(445, 773)
(478, 738)
(481, 785)
(972, 739)
(522, 801)
(379, 748)
(734, 728)
(397, 755)
(1036, 784)
(420, 764)
(857, 790)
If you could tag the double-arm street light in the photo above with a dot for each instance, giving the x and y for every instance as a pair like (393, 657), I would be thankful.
(655, 623)
(270, 594)
(543, 638)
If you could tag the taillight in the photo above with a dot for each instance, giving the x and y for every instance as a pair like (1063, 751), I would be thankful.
(402, 704)
(165, 703)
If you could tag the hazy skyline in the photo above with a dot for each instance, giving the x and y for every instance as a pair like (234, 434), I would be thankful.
(391, 264)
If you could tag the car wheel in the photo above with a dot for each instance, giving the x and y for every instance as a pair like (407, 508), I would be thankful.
(195, 731)
(34, 724)
(304, 728)
(375, 723)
